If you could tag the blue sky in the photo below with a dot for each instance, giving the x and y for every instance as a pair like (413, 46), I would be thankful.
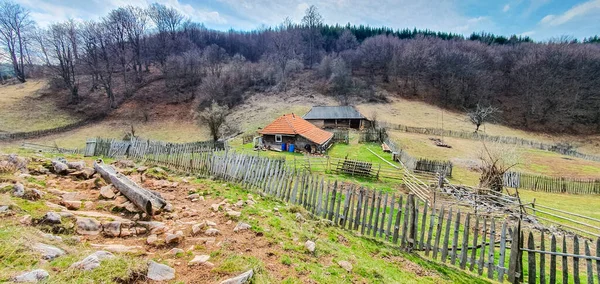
(539, 19)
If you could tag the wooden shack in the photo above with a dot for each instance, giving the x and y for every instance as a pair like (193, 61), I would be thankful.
(291, 129)
(336, 117)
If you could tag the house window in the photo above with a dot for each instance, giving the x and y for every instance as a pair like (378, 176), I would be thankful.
(278, 138)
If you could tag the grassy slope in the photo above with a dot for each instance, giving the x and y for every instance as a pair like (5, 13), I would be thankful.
(22, 108)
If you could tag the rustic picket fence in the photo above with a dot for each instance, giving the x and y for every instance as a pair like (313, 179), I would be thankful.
(552, 184)
(478, 242)
(372, 135)
(418, 164)
(44, 132)
(51, 149)
(138, 147)
(341, 136)
(488, 138)
(317, 164)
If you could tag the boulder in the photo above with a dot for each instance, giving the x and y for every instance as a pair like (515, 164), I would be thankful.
(111, 229)
(152, 240)
(107, 192)
(160, 272)
(85, 173)
(310, 246)
(71, 204)
(241, 227)
(240, 279)
(142, 169)
(60, 167)
(88, 226)
(76, 165)
(196, 228)
(32, 276)
(345, 265)
(18, 190)
(212, 232)
(48, 252)
(92, 261)
(52, 218)
(232, 213)
(174, 238)
(199, 259)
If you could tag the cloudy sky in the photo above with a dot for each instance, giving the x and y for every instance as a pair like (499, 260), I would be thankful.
(539, 19)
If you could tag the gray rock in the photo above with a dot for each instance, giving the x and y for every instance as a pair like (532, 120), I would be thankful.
(196, 228)
(76, 165)
(52, 237)
(345, 265)
(48, 252)
(210, 223)
(174, 238)
(92, 261)
(193, 196)
(215, 207)
(175, 251)
(310, 246)
(112, 229)
(60, 167)
(240, 279)
(199, 259)
(107, 192)
(232, 213)
(88, 226)
(152, 240)
(160, 272)
(212, 232)
(18, 190)
(241, 227)
(32, 276)
(142, 169)
(3, 208)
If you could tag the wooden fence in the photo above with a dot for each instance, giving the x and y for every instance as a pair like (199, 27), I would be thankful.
(51, 149)
(341, 136)
(372, 135)
(247, 138)
(418, 164)
(478, 242)
(488, 138)
(137, 147)
(552, 184)
(315, 164)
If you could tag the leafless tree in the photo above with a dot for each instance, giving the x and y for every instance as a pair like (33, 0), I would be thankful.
(15, 22)
(99, 46)
(61, 37)
(214, 57)
(135, 24)
(283, 49)
(167, 21)
(481, 115)
(312, 21)
(341, 79)
(214, 117)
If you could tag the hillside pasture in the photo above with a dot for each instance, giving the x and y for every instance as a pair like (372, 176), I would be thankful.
(24, 107)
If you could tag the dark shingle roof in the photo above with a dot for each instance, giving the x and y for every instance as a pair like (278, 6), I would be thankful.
(333, 112)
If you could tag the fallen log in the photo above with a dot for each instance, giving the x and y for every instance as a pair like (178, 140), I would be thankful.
(147, 201)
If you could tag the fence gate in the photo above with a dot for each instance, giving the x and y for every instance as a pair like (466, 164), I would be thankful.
(90, 147)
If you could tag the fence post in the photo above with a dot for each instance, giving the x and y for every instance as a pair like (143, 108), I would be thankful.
(514, 268)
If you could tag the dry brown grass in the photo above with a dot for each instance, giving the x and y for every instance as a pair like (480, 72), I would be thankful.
(24, 108)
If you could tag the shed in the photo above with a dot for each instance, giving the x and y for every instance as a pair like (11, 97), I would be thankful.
(291, 129)
(336, 117)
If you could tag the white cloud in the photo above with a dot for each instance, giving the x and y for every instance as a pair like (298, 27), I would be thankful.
(573, 13)
(506, 8)
(527, 33)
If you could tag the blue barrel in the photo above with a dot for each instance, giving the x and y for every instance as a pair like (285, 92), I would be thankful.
(283, 148)
(291, 148)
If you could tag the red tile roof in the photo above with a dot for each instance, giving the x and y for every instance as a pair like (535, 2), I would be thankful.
(291, 124)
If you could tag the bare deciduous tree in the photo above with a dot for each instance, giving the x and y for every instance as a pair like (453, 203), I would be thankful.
(214, 117)
(283, 50)
(61, 37)
(214, 56)
(14, 24)
(481, 115)
(312, 21)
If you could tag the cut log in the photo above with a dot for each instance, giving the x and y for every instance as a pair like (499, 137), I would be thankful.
(144, 199)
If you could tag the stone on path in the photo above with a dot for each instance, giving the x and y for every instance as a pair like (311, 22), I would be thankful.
(240, 279)
(118, 248)
(174, 238)
(310, 246)
(241, 227)
(160, 272)
(345, 265)
(107, 192)
(175, 251)
(212, 232)
(32, 276)
(48, 252)
(18, 190)
(92, 261)
(199, 259)
(88, 226)
(233, 213)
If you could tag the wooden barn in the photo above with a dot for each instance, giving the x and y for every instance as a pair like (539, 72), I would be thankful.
(291, 129)
(336, 117)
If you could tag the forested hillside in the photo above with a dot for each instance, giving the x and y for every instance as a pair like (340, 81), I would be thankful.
(544, 86)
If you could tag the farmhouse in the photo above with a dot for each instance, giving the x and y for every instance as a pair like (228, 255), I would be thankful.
(290, 132)
(336, 117)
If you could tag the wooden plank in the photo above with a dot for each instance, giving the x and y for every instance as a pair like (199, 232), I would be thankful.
(531, 259)
(397, 224)
(598, 255)
(423, 224)
(502, 257)
(327, 205)
(364, 213)
(382, 225)
(465, 242)
(388, 232)
(553, 260)
(358, 208)
(430, 231)
(481, 264)
(337, 207)
(542, 261)
(344, 216)
(447, 236)
(438, 233)
(513, 263)
(332, 205)
(351, 208)
(565, 263)
(376, 223)
(590, 266)
(455, 239)
(407, 214)
(576, 279)
(491, 250)
(370, 224)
